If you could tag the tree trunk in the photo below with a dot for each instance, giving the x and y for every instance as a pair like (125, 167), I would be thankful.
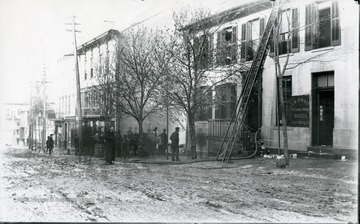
(284, 123)
(141, 137)
(192, 135)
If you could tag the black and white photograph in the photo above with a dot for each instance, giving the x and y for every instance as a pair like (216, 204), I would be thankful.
(179, 111)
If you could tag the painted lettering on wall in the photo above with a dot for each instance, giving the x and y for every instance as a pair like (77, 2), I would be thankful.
(300, 111)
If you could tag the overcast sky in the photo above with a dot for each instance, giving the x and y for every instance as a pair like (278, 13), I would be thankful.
(33, 32)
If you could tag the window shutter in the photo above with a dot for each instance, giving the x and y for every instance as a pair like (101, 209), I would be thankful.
(315, 26)
(335, 24)
(249, 43)
(262, 23)
(218, 95)
(218, 50)
(295, 30)
(232, 99)
(234, 46)
(211, 49)
(271, 43)
(243, 42)
(309, 24)
(234, 33)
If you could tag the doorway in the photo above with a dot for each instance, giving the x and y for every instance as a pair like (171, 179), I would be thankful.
(323, 110)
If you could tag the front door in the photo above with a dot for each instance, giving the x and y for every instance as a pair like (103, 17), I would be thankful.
(323, 118)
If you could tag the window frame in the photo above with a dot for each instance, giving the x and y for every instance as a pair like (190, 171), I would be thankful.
(287, 93)
(246, 39)
(312, 14)
(226, 51)
(294, 36)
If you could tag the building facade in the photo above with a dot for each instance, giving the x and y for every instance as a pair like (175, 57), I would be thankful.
(14, 124)
(322, 73)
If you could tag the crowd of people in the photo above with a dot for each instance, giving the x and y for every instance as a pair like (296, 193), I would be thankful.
(117, 145)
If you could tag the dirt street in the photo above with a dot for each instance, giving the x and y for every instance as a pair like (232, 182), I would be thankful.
(39, 187)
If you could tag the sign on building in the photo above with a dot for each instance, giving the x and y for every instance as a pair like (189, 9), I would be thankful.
(300, 111)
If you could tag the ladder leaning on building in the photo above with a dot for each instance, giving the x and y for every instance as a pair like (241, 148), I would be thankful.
(237, 118)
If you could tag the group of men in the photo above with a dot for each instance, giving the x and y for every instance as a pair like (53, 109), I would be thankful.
(128, 144)
(163, 144)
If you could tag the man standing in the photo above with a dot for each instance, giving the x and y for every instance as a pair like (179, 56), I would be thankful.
(51, 144)
(76, 140)
(110, 146)
(175, 144)
(163, 142)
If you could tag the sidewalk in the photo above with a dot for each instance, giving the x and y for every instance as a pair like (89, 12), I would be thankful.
(161, 159)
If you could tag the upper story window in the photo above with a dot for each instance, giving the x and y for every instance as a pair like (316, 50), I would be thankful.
(251, 33)
(288, 32)
(85, 68)
(226, 46)
(91, 67)
(322, 25)
(204, 45)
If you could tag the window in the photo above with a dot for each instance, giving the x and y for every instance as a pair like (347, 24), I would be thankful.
(251, 33)
(287, 93)
(204, 44)
(322, 25)
(226, 45)
(85, 68)
(225, 100)
(324, 80)
(100, 63)
(205, 107)
(289, 18)
(91, 64)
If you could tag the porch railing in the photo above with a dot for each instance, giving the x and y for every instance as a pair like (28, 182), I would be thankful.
(218, 128)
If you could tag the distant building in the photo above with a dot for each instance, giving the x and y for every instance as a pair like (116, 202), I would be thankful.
(96, 57)
(14, 124)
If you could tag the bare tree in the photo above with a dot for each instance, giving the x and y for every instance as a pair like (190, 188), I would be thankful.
(191, 53)
(102, 96)
(140, 69)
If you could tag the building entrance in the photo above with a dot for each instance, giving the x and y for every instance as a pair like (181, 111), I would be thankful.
(323, 110)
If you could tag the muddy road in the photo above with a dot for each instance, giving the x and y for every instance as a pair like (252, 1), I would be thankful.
(39, 187)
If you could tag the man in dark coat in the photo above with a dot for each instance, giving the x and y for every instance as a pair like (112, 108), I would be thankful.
(175, 144)
(118, 144)
(50, 144)
(76, 141)
(109, 146)
(163, 142)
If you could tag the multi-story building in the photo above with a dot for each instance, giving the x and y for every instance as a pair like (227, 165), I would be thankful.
(66, 101)
(321, 79)
(14, 123)
(90, 56)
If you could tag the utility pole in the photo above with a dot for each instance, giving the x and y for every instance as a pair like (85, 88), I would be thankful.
(43, 138)
(78, 93)
(167, 127)
(31, 119)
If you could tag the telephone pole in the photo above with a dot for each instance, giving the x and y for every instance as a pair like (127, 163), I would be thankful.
(43, 138)
(31, 122)
(78, 91)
